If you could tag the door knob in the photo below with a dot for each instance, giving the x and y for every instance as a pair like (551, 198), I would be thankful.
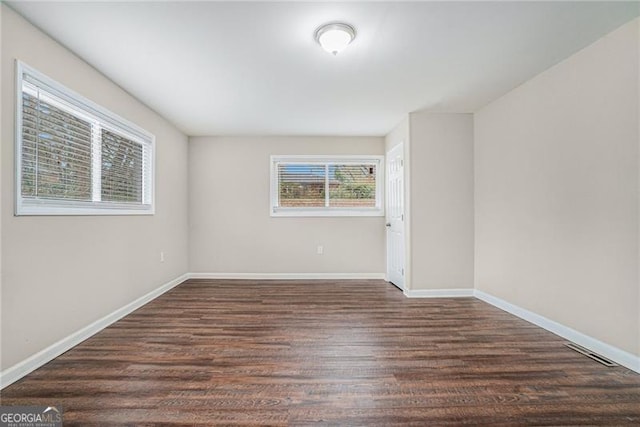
(388, 224)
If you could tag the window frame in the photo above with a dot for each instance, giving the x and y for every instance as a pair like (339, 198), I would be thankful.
(276, 211)
(85, 109)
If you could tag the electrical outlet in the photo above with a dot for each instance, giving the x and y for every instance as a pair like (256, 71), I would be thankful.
(161, 256)
(320, 249)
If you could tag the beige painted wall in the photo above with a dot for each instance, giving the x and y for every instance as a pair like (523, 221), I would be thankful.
(638, 139)
(1, 207)
(556, 174)
(441, 193)
(397, 135)
(59, 274)
(231, 230)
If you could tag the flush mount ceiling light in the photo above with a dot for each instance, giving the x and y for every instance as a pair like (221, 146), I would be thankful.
(335, 36)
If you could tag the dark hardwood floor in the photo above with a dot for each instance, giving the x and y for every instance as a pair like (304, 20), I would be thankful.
(335, 353)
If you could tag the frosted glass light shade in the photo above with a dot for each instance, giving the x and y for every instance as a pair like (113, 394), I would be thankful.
(335, 37)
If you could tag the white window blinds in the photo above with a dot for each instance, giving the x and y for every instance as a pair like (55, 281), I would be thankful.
(56, 150)
(301, 185)
(326, 186)
(122, 169)
(74, 157)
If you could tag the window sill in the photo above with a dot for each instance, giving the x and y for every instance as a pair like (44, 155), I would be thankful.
(293, 212)
(55, 209)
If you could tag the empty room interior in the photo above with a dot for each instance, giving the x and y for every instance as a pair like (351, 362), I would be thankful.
(334, 213)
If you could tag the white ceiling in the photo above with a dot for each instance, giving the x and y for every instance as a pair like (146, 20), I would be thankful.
(239, 68)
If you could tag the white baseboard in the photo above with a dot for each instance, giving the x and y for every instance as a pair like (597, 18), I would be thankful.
(20, 369)
(288, 276)
(438, 293)
(617, 355)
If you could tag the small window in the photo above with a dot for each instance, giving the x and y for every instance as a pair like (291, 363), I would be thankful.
(76, 158)
(326, 186)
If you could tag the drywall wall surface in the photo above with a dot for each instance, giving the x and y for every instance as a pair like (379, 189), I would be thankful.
(441, 216)
(556, 202)
(398, 135)
(1, 91)
(231, 230)
(61, 273)
(638, 139)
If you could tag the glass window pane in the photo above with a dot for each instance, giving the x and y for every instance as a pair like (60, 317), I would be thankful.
(56, 152)
(301, 185)
(121, 169)
(352, 186)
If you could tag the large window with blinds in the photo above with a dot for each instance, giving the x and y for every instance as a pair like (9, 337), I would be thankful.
(74, 157)
(326, 185)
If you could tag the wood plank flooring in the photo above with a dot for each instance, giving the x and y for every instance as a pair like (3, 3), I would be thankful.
(349, 353)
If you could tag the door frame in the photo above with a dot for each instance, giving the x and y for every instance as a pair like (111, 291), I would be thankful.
(393, 151)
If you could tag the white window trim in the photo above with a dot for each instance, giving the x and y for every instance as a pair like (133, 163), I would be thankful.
(93, 113)
(276, 211)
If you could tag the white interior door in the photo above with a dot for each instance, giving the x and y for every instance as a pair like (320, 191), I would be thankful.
(395, 215)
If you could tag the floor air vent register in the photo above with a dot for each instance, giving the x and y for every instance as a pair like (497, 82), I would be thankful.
(590, 354)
